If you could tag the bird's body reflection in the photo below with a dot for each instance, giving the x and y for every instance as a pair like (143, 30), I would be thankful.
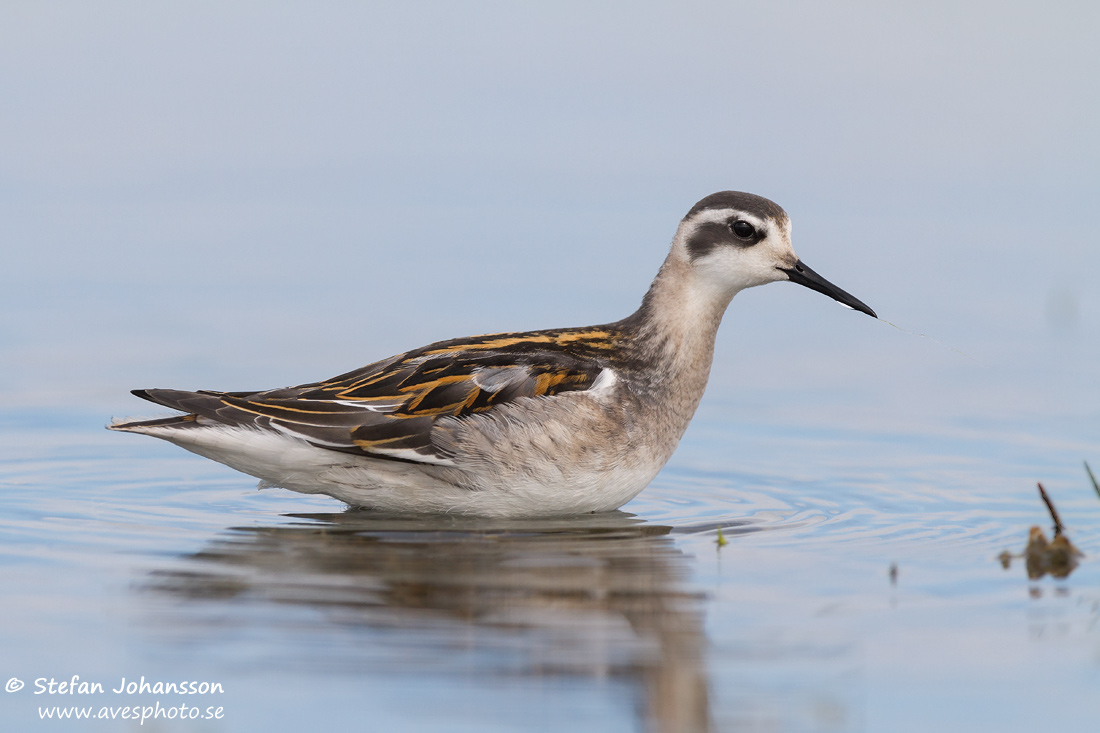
(599, 596)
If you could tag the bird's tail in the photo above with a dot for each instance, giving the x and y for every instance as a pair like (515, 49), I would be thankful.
(192, 403)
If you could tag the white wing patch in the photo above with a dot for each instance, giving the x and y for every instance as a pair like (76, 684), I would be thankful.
(605, 382)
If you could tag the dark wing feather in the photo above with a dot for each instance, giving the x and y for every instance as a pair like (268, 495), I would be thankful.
(388, 409)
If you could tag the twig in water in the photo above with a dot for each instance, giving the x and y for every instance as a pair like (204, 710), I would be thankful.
(1093, 478)
(1053, 512)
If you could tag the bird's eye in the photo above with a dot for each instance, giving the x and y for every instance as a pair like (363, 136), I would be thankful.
(742, 229)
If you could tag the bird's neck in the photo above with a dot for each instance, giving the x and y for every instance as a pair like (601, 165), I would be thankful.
(675, 328)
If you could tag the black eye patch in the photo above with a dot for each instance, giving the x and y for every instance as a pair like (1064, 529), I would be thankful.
(710, 235)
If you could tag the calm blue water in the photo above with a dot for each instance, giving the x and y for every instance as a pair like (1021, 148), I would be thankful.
(125, 558)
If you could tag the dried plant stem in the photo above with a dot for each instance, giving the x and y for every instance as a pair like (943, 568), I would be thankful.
(1092, 478)
(1053, 512)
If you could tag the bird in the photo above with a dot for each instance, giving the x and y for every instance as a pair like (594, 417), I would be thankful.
(529, 424)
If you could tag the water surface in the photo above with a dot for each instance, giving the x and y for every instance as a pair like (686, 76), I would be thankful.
(125, 558)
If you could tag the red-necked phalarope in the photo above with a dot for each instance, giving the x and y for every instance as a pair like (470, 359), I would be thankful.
(517, 424)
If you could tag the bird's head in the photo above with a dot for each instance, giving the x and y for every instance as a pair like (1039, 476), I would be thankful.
(732, 241)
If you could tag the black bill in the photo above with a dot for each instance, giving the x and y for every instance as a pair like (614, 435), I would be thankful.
(803, 275)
